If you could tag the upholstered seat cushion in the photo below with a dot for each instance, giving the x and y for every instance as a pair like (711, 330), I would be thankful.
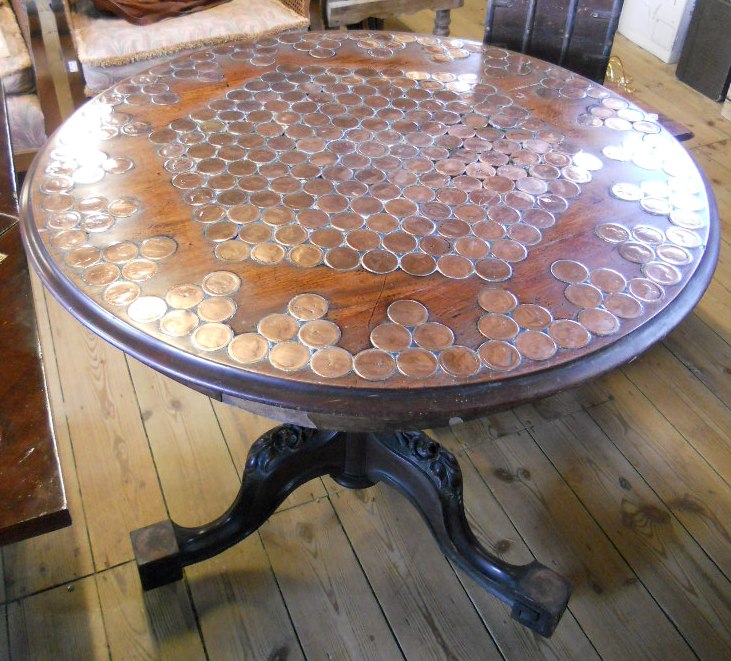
(15, 67)
(110, 49)
(25, 119)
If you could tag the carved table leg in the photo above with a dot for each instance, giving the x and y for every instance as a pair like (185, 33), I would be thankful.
(417, 466)
(441, 22)
(431, 479)
(278, 462)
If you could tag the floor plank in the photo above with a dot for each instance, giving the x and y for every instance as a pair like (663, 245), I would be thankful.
(668, 561)
(431, 615)
(159, 624)
(607, 597)
(235, 595)
(115, 469)
(63, 623)
(327, 595)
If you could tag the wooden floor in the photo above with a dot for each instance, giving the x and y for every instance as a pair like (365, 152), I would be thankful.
(622, 485)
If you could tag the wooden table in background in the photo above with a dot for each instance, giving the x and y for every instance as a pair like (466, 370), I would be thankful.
(364, 235)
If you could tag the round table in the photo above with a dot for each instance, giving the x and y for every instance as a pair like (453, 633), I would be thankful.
(365, 234)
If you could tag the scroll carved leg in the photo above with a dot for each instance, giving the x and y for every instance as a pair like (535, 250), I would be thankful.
(442, 19)
(430, 477)
(278, 462)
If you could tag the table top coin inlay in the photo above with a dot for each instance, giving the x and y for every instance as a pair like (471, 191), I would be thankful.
(370, 212)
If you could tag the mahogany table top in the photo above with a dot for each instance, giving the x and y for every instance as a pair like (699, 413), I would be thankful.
(317, 219)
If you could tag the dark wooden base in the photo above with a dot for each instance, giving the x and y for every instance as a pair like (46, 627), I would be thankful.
(411, 462)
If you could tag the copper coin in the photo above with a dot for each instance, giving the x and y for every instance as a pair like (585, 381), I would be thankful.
(248, 348)
(243, 214)
(209, 213)
(216, 309)
(268, 253)
(662, 274)
(455, 266)
(503, 215)
(535, 345)
(646, 290)
(278, 327)
(539, 218)
(390, 337)
(417, 363)
(407, 312)
(569, 334)
(158, 247)
(583, 295)
(532, 317)
(363, 240)
(612, 232)
(178, 323)
(308, 307)
(525, 234)
(211, 336)
(306, 256)
(290, 235)
(145, 309)
(331, 362)
(102, 274)
(648, 234)
(638, 253)
(255, 233)
(184, 296)
(498, 327)
(92, 205)
(57, 202)
(221, 283)
(65, 220)
(223, 231)
(453, 228)
(380, 261)
(121, 293)
(499, 356)
(312, 218)
(342, 259)
(608, 280)
(374, 365)
(139, 270)
(417, 226)
(508, 250)
(367, 206)
(673, 254)
(319, 333)
(83, 256)
(488, 230)
(433, 336)
(277, 216)
(459, 361)
(683, 237)
(418, 264)
(599, 322)
(471, 247)
(120, 252)
(493, 270)
(623, 306)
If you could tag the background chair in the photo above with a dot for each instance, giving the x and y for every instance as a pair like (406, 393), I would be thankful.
(110, 49)
(576, 34)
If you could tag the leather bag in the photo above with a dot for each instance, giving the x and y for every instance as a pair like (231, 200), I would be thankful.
(144, 12)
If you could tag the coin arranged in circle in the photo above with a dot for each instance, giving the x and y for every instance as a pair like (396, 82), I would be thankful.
(662, 274)
(83, 256)
(216, 309)
(570, 271)
(278, 327)
(178, 323)
(626, 191)
(139, 269)
(498, 327)
(417, 363)
(101, 274)
(645, 290)
(535, 345)
(319, 333)
(221, 283)
(569, 334)
(374, 364)
(599, 322)
(391, 337)
(500, 356)
(121, 293)
(532, 317)
(612, 232)
(289, 356)
(433, 336)
(248, 348)
(583, 295)
(499, 301)
(459, 361)
(145, 309)
(331, 362)
(407, 313)
(158, 247)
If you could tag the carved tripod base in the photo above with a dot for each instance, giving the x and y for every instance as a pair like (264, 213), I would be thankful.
(428, 475)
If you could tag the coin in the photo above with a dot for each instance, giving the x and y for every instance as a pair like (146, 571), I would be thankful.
(374, 365)
(319, 333)
(390, 337)
(433, 336)
(143, 309)
(569, 334)
(583, 295)
(569, 271)
(499, 356)
(278, 327)
(221, 283)
(178, 323)
(532, 317)
(121, 293)
(248, 348)
(459, 361)
(407, 312)
(216, 309)
(331, 362)
(599, 322)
